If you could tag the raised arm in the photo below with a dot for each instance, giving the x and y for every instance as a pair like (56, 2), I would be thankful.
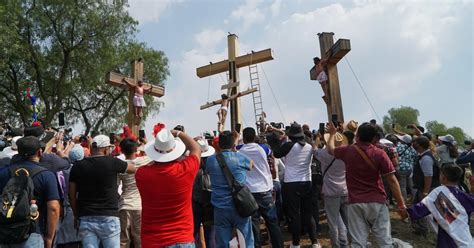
(150, 89)
(189, 142)
(127, 83)
(330, 143)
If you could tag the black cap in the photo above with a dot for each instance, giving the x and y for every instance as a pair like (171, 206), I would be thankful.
(28, 146)
(295, 131)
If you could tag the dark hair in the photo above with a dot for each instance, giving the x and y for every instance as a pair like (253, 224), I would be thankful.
(350, 136)
(423, 142)
(249, 135)
(127, 146)
(392, 138)
(373, 121)
(428, 135)
(366, 132)
(179, 128)
(452, 172)
(28, 146)
(226, 140)
(452, 149)
(316, 60)
(224, 96)
(422, 129)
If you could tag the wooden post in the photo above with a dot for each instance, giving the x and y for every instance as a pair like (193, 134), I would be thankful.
(326, 42)
(115, 79)
(232, 65)
(233, 49)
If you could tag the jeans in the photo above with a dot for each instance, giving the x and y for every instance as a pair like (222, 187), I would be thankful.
(204, 214)
(34, 241)
(278, 200)
(225, 220)
(336, 212)
(181, 245)
(373, 216)
(405, 182)
(100, 229)
(266, 209)
(297, 199)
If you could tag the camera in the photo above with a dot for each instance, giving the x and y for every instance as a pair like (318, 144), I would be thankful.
(67, 135)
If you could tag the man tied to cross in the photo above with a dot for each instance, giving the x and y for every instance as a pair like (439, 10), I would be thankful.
(222, 112)
(321, 76)
(138, 99)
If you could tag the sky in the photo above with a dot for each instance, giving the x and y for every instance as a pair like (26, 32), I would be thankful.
(410, 53)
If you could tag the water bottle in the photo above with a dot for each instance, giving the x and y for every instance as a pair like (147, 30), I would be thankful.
(33, 210)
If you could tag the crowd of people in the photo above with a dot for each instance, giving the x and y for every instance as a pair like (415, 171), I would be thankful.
(180, 191)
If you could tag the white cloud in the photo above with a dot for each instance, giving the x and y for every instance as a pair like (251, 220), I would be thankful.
(249, 13)
(148, 10)
(396, 48)
(275, 8)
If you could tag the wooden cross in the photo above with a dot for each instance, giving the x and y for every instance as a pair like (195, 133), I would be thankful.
(115, 79)
(333, 53)
(232, 64)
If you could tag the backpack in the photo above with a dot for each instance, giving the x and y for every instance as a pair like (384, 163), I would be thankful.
(16, 223)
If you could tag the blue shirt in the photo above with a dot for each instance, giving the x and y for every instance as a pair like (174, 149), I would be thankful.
(238, 164)
(46, 188)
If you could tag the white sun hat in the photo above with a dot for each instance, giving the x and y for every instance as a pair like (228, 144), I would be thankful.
(447, 138)
(165, 147)
(206, 149)
(13, 149)
(404, 138)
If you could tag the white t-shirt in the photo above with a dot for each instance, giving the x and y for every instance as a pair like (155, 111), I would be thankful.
(259, 179)
(334, 181)
(298, 163)
(130, 197)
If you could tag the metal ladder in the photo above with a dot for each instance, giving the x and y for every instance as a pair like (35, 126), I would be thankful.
(257, 96)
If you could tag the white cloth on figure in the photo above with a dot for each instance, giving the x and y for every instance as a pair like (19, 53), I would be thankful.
(322, 77)
(139, 101)
(450, 215)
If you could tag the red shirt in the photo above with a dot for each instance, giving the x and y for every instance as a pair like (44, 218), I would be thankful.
(364, 183)
(166, 190)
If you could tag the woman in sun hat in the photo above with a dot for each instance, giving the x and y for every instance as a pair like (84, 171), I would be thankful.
(166, 187)
(447, 150)
(203, 211)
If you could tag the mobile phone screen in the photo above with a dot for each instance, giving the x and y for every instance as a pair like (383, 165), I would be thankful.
(238, 127)
(141, 133)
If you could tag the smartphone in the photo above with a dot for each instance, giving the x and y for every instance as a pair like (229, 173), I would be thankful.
(238, 127)
(334, 120)
(287, 128)
(61, 120)
(141, 134)
(322, 127)
(112, 138)
(393, 125)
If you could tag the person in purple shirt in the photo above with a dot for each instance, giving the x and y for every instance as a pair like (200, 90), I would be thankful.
(449, 177)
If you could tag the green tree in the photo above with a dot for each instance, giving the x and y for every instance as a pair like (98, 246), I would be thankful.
(436, 128)
(65, 48)
(401, 117)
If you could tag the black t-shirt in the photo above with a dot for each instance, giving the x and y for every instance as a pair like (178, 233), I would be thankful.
(96, 182)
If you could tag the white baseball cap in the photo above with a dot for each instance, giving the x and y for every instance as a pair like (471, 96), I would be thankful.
(102, 141)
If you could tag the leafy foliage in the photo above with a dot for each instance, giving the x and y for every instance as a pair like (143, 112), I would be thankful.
(65, 48)
(401, 117)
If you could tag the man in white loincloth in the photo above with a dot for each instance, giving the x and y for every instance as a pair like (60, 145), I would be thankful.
(138, 99)
(222, 112)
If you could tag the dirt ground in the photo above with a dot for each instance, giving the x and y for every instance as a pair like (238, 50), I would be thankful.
(400, 230)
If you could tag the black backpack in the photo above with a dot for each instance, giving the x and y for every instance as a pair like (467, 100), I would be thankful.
(16, 223)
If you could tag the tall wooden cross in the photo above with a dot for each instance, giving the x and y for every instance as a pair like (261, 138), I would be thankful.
(333, 53)
(115, 79)
(232, 65)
